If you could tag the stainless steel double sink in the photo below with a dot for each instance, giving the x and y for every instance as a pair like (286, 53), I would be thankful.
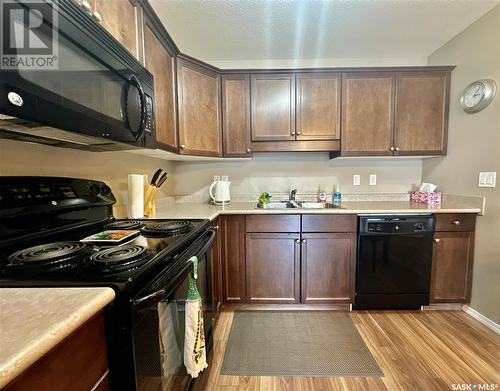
(297, 205)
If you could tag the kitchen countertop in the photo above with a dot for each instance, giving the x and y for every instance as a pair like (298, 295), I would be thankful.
(193, 210)
(35, 320)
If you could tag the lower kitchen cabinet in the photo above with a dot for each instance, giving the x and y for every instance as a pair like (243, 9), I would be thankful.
(79, 363)
(452, 258)
(328, 267)
(273, 268)
(232, 230)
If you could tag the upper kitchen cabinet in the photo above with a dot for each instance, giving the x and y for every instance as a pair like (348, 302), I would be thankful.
(421, 113)
(367, 113)
(318, 106)
(395, 113)
(122, 19)
(236, 115)
(273, 107)
(198, 89)
(160, 61)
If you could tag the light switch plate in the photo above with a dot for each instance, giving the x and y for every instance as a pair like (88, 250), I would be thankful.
(373, 179)
(356, 180)
(487, 179)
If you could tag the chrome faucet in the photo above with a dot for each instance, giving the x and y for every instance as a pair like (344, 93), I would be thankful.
(293, 193)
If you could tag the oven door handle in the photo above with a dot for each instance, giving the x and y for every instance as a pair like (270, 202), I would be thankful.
(164, 291)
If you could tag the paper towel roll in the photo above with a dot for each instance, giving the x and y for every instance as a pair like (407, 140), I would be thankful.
(135, 196)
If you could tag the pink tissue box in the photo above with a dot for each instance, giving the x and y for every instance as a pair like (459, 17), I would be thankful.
(433, 198)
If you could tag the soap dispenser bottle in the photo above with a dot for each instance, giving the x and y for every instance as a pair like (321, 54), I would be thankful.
(337, 196)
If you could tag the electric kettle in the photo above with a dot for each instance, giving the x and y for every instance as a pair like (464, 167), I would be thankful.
(219, 191)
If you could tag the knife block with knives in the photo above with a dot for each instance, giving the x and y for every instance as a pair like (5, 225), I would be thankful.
(151, 190)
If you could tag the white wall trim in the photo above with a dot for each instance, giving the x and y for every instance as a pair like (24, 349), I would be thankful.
(481, 318)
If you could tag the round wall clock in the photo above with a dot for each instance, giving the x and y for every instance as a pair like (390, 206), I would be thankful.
(477, 95)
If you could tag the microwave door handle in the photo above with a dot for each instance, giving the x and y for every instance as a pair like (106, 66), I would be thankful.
(142, 127)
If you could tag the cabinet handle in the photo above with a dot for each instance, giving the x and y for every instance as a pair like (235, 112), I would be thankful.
(298, 132)
(304, 241)
(248, 150)
(391, 149)
(292, 133)
(183, 146)
(396, 149)
(456, 222)
(437, 240)
(297, 241)
(216, 227)
(97, 17)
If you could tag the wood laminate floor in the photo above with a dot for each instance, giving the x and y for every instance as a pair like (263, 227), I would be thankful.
(429, 350)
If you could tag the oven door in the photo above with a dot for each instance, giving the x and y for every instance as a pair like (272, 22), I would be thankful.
(97, 88)
(158, 321)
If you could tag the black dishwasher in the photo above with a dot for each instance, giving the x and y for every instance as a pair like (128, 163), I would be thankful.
(393, 269)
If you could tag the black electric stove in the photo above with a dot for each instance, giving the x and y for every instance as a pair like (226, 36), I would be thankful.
(42, 223)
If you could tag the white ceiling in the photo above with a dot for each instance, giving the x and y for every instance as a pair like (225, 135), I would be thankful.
(239, 30)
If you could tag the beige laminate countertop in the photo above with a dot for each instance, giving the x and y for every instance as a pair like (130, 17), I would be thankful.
(192, 210)
(34, 320)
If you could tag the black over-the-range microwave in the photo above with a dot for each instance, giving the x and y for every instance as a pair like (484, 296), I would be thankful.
(65, 81)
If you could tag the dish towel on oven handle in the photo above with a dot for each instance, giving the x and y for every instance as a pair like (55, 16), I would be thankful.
(195, 358)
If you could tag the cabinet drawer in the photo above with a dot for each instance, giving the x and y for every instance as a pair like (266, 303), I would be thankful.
(463, 222)
(332, 223)
(273, 223)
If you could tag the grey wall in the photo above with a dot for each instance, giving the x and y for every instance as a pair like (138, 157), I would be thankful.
(473, 146)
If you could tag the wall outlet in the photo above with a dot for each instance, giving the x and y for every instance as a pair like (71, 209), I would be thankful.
(487, 179)
(373, 179)
(356, 180)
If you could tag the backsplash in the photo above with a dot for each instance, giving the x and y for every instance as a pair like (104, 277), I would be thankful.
(307, 172)
(19, 158)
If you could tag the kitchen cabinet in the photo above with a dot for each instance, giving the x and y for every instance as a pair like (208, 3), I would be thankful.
(452, 258)
(421, 113)
(318, 106)
(198, 89)
(122, 19)
(273, 106)
(161, 63)
(273, 267)
(236, 115)
(78, 363)
(395, 113)
(328, 267)
(367, 113)
(216, 266)
(232, 230)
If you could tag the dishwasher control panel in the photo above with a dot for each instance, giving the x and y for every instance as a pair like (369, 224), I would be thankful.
(395, 224)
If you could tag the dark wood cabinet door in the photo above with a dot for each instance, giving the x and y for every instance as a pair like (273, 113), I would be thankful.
(367, 113)
(421, 124)
(216, 266)
(236, 115)
(161, 64)
(273, 107)
(233, 258)
(318, 106)
(273, 268)
(122, 19)
(328, 267)
(452, 256)
(199, 109)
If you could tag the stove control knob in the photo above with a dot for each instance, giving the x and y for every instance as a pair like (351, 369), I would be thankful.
(396, 227)
(94, 189)
(419, 227)
(105, 190)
